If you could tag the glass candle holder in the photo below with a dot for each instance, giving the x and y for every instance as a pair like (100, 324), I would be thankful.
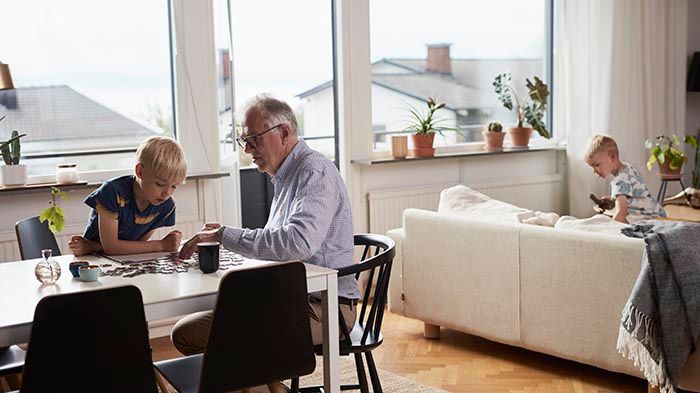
(47, 271)
(67, 173)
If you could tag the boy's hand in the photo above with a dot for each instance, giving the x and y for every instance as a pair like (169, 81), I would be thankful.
(80, 246)
(190, 246)
(608, 203)
(172, 241)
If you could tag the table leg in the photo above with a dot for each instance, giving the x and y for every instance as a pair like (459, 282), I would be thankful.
(331, 355)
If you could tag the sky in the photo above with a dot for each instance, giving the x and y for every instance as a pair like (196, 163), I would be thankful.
(116, 52)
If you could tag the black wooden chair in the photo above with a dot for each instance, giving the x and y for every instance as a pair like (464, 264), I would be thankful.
(94, 341)
(260, 334)
(34, 236)
(377, 256)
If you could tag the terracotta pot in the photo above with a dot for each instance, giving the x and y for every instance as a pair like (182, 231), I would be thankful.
(423, 145)
(665, 171)
(493, 140)
(520, 136)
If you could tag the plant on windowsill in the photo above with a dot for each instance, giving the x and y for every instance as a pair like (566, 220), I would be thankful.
(530, 111)
(12, 173)
(493, 136)
(54, 214)
(424, 127)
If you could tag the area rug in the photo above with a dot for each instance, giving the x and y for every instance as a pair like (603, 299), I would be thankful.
(391, 383)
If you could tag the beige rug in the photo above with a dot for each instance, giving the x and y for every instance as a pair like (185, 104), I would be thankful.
(391, 383)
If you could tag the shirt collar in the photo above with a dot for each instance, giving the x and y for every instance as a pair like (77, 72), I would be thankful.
(288, 162)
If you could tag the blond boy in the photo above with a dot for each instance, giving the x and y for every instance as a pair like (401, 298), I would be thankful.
(127, 210)
(629, 192)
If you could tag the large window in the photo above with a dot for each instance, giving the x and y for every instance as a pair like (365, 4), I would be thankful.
(288, 53)
(92, 77)
(452, 50)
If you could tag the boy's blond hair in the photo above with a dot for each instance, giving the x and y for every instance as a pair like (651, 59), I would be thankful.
(164, 156)
(599, 144)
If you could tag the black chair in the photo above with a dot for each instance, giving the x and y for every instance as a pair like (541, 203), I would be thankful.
(11, 362)
(377, 258)
(260, 334)
(34, 236)
(94, 341)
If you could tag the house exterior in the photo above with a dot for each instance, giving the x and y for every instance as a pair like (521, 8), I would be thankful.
(464, 85)
(58, 119)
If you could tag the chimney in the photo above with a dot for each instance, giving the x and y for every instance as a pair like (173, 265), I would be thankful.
(439, 59)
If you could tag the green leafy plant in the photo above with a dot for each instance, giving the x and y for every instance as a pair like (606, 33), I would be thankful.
(427, 123)
(54, 214)
(692, 140)
(494, 126)
(530, 111)
(668, 149)
(10, 149)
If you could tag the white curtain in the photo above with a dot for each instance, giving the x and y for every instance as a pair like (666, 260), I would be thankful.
(619, 70)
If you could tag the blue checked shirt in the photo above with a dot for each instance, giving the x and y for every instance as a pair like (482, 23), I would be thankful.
(310, 219)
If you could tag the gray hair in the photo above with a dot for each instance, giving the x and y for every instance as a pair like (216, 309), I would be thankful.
(272, 109)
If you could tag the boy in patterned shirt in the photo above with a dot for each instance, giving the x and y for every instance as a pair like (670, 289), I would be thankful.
(630, 194)
(127, 210)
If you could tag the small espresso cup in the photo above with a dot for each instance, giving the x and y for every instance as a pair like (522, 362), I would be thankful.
(208, 256)
(89, 272)
(75, 265)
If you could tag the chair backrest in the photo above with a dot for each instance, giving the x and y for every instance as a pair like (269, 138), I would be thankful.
(34, 236)
(377, 257)
(260, 331)
(93, 341)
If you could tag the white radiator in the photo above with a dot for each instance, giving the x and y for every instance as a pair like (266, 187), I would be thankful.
(543, 193)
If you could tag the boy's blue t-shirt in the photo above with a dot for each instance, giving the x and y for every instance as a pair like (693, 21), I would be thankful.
(115, 198)
(630, 183)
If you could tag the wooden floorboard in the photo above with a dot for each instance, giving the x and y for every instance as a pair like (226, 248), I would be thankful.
(459, 362)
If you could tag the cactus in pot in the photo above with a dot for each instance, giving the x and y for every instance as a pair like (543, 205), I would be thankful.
(493, 136)
(13, 173)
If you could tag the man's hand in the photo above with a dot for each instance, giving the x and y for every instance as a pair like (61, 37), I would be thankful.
(80, 246)
(211, 235)
(209, 226)
(172, 241)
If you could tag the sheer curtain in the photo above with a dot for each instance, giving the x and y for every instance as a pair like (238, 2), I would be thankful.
(619, 70)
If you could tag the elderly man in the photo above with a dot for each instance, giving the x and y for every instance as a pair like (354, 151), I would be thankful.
(310, 218)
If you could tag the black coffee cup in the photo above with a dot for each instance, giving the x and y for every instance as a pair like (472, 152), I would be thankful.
(208, 257)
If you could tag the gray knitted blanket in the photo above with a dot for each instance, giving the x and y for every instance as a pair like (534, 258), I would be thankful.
(661, 320)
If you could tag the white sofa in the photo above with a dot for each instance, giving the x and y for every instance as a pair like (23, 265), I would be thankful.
(554, 291)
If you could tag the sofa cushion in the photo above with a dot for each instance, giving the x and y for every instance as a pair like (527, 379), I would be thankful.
(598, 223)
(464, 201)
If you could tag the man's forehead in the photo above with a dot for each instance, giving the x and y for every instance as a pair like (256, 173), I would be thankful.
(254, 121)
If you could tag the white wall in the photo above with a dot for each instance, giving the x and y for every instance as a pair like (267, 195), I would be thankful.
(692, 111)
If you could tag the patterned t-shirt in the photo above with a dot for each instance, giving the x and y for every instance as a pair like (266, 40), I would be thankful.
(115, 198)
(630, 183)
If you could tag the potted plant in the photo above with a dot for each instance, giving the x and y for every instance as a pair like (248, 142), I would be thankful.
(493, 136)
(54, 214)
(424, 127)
(530, 111)
(12, 173)
(667, 152)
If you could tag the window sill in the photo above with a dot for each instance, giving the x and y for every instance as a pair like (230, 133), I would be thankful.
(460, 154)
(43, 187)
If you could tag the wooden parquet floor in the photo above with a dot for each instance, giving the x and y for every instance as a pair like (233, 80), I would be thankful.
(459, 362)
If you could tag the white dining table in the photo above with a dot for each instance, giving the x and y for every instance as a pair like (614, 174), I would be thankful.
(164, 296)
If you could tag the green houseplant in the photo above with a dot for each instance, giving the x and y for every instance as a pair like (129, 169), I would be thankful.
(530, 111)
(54, 214)
(667, 152)
(493, 136)
(12, 173)
(424, 126)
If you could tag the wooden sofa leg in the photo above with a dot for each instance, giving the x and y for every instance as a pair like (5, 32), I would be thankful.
(651, 389)
(431, 331)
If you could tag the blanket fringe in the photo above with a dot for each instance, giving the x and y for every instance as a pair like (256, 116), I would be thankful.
(629, 346)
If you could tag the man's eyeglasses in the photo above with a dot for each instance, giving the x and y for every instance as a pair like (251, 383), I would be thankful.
(252, 140)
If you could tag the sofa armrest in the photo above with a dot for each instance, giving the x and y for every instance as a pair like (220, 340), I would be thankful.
(396, 280)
